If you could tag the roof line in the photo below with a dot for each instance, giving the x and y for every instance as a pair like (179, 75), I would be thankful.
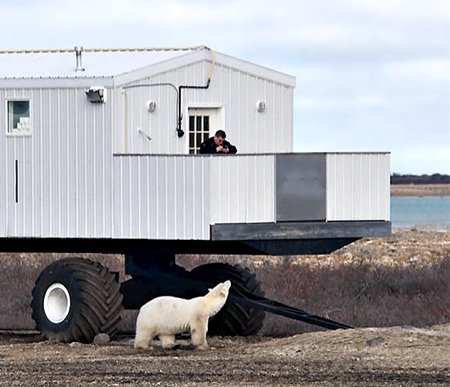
(58, 50)
(122, 49)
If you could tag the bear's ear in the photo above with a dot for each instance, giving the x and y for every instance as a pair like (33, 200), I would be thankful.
(227, 284)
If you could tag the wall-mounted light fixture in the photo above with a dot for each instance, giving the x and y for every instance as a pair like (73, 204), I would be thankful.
(260, 106)
(96, 94)
(151, 106)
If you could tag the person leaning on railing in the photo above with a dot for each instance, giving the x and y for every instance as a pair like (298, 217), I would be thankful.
(217, 144)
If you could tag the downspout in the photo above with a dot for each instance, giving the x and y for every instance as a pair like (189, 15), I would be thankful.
(180, 131)
(126, 120)
(125, 88)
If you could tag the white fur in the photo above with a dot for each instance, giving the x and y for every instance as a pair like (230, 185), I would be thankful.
(167, 316)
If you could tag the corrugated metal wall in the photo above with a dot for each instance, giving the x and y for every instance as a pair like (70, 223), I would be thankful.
(179, 197)
(4, 200)
(161, 197)
(242, 189)
(64, 167)
(358, 186)
(67, 172)
(253, 132)
(131, 112)
(236, 92)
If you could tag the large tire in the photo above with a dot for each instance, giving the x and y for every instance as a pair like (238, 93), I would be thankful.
(233, 319)
(74, 299)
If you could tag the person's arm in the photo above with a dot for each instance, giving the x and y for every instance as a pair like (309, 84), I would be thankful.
(231, 148)
(205, 147)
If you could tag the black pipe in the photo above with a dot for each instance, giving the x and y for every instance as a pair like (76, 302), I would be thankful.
(180, 131)
(175, 281)
(157, 84)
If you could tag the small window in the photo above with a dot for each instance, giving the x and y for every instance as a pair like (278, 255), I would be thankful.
(19, 117)
(198, 132)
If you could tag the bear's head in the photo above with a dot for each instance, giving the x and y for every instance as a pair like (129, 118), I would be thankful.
(221, 290)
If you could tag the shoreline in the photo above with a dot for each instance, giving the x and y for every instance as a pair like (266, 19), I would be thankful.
(420, 190)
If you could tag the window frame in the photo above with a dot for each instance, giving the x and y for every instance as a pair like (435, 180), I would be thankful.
(215, 111)
(18, 132)
(204, 134)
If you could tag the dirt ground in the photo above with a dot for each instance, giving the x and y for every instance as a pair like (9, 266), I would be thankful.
(396, 356)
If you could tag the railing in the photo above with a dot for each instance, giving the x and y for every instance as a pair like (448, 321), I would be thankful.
(181, 196)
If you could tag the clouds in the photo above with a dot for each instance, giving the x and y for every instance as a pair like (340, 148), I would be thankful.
(371, 75)
(427, 70)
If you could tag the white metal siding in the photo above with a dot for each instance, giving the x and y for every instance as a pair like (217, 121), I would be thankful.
(358, 186)
(234, 91)
(161, 197)
(179, 197)
(66, 174)
(164, 196)
(251, 131)
(15, 150)
(242, 189)
(64, 168)
(131, 113)
(3, 167)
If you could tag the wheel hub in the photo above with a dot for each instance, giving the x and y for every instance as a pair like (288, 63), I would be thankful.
(56, 303)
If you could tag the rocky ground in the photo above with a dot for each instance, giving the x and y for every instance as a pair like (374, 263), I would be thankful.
(397, 356)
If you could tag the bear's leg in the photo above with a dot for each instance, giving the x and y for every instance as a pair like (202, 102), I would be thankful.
(199, 328)
(167, 341)
(143, 337)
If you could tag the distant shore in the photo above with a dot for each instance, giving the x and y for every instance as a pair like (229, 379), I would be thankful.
(420, 189)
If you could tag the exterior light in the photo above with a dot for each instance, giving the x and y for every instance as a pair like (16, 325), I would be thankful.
(151, 106)
(260, 106)
(96, 94)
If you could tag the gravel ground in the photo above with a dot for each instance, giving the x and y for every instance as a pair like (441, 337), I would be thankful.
(400, 356)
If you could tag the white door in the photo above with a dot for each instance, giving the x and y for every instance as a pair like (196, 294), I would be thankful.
(18, 168)
(203, 123)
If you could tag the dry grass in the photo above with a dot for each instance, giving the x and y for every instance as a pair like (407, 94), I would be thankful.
(362, 295)
(420, 190)
(374, 282)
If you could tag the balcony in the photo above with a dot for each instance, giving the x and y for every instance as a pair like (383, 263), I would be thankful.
(250, 197)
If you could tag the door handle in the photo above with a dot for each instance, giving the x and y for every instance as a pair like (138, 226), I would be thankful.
(16, 181)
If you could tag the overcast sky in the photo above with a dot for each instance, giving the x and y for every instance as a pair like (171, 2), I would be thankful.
(372, 75)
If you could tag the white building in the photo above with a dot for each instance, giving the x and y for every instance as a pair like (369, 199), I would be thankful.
(100, 143)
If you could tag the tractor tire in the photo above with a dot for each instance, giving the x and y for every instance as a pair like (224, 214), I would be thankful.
(74, 299)
(233, 319)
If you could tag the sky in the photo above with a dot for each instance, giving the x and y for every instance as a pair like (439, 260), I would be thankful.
(371, 75)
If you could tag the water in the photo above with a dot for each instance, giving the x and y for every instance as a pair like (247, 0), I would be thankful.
(420, 212)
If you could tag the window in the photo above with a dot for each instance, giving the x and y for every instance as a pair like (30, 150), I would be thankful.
(19, 117)
(198, 131)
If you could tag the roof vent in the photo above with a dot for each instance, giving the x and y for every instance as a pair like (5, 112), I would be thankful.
(78, 51)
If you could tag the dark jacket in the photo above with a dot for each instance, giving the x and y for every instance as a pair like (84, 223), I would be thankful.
(209, 146)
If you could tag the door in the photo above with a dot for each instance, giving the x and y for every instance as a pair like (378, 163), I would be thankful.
(203, 123)
(17, 198)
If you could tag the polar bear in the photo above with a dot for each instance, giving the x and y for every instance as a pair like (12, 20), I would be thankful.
(167, 316)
